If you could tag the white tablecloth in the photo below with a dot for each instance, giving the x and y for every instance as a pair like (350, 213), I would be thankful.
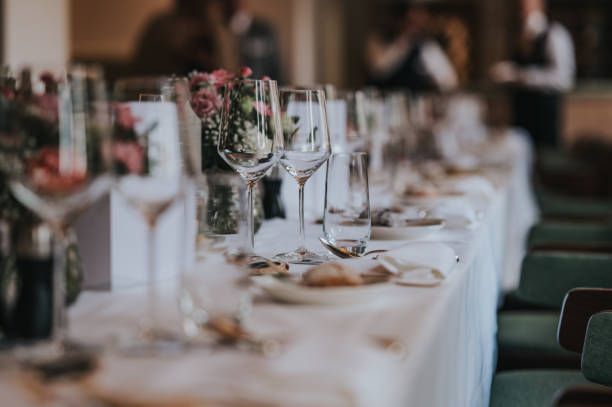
(328, 357)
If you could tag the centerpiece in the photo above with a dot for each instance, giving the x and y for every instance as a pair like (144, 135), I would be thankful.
(29, 122)
(222, 212)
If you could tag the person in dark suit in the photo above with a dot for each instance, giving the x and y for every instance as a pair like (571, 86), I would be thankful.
(540, 71)
(403, 56)
(177, 41)
(256, 39)
(205, 35)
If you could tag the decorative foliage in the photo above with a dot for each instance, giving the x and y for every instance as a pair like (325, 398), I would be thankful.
(207, 100)
(29, 123)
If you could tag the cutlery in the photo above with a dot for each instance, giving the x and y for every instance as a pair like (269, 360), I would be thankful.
(344, 253)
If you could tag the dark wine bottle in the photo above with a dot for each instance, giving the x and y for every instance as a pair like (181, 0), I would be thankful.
(27, 283)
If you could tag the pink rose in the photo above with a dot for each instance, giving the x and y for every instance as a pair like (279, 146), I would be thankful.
(220, 77)
(262, 108)
(44, 172)
(266, 78)
(199, 79)
(124, 116)
(245, 72)
(130, 154)
(205, 102)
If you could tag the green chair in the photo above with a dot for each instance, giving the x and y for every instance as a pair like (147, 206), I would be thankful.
(549, 388)
(555, 206)
(570, 236)
(527, 338)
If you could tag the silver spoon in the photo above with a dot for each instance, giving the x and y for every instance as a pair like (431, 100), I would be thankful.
(344, 253)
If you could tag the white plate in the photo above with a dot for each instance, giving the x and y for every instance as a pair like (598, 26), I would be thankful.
(429, 200)
(417, 229)
(289, 291)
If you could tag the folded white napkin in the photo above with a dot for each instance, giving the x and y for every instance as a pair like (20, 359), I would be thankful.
(456, 212)
(473, 185)
(420, 262)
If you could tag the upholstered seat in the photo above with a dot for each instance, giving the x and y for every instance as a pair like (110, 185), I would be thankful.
(532, 388)
(528, 339)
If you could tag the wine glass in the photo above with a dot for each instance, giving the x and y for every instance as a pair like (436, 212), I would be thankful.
(250, 138)
(152, 168)
(307, 147)
(59, 148)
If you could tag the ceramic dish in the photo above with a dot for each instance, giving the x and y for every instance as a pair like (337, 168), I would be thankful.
(288, 290)
(412, 229)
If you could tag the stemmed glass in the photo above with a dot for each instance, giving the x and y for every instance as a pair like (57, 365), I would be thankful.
(61, 166)
(307, 147)
(153, 171)
(250, 138)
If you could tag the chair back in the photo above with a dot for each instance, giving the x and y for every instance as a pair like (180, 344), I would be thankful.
(547, 276)
(579, 305)
(569, 232)
(596, 363)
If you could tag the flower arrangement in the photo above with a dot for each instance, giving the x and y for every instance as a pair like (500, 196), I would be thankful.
(206, 101)
(128, 154)
(222, 212)
(28, 123)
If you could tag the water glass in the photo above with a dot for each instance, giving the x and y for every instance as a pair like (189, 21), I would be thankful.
(346, 220)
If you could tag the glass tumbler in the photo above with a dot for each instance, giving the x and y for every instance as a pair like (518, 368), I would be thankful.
(346, 220)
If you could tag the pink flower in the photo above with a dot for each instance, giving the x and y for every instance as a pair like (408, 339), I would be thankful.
(199, 79)
(124, 116)
(220, 77)
(44, 172)
(266, 78)
(205, 102)
(262, 108)
(245, 72)
(130, 154)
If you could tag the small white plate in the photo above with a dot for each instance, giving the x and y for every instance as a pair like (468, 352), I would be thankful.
(290, 291)
(429, 200)
(413, 229)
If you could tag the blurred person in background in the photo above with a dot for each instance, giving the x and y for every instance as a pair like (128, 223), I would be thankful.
(403, 56)
(183, 39)
(541, 70)
(256, 40)
(205, 35)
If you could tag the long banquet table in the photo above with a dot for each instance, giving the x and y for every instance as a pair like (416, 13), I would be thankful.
(328, 356)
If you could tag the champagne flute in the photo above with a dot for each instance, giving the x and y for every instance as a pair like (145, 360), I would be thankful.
(61, 166)
(250, 138)
(153, 170)
(307, 147)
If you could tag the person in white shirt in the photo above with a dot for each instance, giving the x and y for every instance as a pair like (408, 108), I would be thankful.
(407, 58)
(542, 69)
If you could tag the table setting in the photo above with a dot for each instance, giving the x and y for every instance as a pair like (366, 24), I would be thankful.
(379, 288)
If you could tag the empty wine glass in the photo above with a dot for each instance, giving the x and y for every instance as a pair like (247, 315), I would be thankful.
(153, 171)
(58, 145)
(250, 138)
(307, 147)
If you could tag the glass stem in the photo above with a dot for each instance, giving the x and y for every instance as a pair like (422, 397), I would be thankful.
(250, 228)
(302, 236)
(152, 306)
(59, 321)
